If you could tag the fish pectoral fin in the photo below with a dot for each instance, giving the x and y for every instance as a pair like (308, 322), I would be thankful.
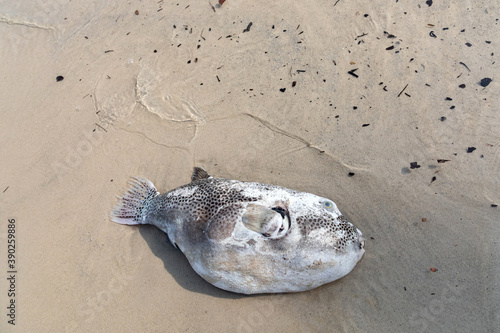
(267, 221)
(199, 173)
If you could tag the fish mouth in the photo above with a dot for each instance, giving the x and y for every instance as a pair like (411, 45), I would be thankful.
(361, 240)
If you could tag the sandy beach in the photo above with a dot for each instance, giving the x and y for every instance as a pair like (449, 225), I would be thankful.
(389, 108)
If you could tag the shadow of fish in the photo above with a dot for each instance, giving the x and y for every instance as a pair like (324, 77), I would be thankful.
(248, 237)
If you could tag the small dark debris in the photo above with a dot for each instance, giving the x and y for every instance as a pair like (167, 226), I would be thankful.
(247, 29)
(294, 83)
(221, 2)
(488, 41)
(354, 107)
(462, 86)
(433, 179)
(155, 51)
(468, 44)
(366, 15)
(350, 174)
(443, 118)
(351, 72)
(403, 90)
(463, 64)
(484, 82)
(59, 78)
(432, 34)
(442, 161)
(107, 51)
(217, 76)
(365, 125)
(136, 12)
(448, 99)
(389, 35)
(390, 48)
(492, 205)
(470, 149)
(404, 288)
(283, 89)
(429, 3)
(405, 171)
(414, 165)
(452, 107)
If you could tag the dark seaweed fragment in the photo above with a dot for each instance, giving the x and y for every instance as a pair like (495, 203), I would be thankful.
(414, 165)
(351, 72)
(470, 149)
(390, 48)
(247, 29)
(403, 90)
(442, 161)
(389, 35)
(461, 63)
(484, 82)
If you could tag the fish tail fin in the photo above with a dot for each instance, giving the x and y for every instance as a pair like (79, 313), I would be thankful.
(133, 207)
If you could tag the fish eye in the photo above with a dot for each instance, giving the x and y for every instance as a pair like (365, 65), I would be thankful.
(328, 204)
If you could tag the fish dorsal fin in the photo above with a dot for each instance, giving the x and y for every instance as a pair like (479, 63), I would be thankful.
(266, 221)
(199, 173)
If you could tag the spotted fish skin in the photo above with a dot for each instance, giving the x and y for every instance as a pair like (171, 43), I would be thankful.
(248, 237)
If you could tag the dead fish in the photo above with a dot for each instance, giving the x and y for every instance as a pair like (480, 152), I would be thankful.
(248, 237)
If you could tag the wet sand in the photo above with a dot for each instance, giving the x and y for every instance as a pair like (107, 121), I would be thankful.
(384, 107)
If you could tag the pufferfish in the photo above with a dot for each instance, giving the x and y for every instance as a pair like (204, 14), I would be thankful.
(248, 237)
